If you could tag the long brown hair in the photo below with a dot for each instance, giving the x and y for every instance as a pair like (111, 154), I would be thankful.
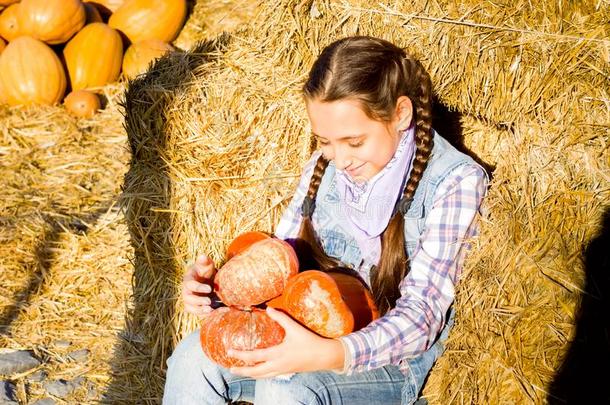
(375, 73)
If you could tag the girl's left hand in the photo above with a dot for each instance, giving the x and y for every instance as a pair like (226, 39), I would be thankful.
(301, 350)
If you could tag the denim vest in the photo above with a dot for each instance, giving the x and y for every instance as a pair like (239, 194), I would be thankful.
(339, 244)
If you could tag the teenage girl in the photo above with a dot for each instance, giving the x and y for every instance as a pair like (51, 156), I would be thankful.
(386, 196)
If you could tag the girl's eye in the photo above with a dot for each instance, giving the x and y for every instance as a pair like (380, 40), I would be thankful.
(356, 144)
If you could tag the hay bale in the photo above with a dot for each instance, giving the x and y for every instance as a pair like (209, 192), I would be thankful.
(211, 18)
(194, 146)
(64, 250)
(501, 62)
(218, 136)
(516, 309)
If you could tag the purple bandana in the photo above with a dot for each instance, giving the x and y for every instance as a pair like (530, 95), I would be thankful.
(368, 205)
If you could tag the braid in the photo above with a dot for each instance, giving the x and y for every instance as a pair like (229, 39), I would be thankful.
(312, 249)
(393, 263)
(316, 177)
(423, 126)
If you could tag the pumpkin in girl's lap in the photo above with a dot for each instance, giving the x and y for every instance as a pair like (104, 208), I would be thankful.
(332, 304)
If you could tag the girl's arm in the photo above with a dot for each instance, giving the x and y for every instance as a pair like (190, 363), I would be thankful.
(428, 290)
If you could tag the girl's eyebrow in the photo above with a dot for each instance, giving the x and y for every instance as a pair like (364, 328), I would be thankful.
(342, 138)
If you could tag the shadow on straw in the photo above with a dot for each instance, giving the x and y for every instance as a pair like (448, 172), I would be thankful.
(44, 256)
(581, 379)
(449, 125)
(138, 364)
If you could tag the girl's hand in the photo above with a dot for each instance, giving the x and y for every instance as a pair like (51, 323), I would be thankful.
(197, 287)
(301, 350)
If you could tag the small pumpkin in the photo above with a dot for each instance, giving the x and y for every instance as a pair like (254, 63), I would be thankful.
(9, 23)
(139, 55)
(94, 66)
(149, 19)
(31, 73)
(2, 45)
(244, 241)
(82, 103)
(92, 14)
(51, 21)
(230, 328)
(257, 274)
(332, 304)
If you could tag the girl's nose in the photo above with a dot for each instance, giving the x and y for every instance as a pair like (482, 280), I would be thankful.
(342, 161)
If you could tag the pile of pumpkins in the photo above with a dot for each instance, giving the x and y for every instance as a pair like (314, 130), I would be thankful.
(264, 271)
(50, 46)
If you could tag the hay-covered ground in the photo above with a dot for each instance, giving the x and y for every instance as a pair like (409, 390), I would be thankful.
(66, 254)
(96, 223)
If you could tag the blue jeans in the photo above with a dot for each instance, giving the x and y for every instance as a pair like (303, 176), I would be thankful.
(194, 379)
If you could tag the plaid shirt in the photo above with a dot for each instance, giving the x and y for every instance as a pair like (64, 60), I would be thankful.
(428, 290)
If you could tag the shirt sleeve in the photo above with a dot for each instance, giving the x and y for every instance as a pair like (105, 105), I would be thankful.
(290, 223)
(427, 291)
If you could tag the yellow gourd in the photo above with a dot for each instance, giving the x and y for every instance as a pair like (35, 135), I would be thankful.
(139, 55)
(9, 23)
(149, 19)
(51, 21)
(82, 103)
(110, 5)
(31, 73)
(94, 65)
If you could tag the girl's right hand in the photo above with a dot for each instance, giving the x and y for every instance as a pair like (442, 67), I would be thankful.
(197, 287)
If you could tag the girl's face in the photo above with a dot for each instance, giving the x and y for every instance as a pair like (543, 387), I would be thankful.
(358, 144)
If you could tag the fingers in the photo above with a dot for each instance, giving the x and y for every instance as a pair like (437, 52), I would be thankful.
(204, 267)
(194, 286)
(261, 370)
(197, 300)
(200, 311)
(281, 318)
(253, 356)
(197, 305)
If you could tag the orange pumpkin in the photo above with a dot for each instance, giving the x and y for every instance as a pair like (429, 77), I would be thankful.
(2, 45)
(149, 19)
(230, 328)
(331, 304)
(139, 56)
(9, 23)
(51, 21)
(31, 73)
(82, 103)
(257, 274)
(107, 6)
(244, 241)
(92, 14)
(94, 66)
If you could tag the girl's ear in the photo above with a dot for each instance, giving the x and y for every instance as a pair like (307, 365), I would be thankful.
(403, 113)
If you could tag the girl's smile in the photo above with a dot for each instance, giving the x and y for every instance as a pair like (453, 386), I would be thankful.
(358, 144)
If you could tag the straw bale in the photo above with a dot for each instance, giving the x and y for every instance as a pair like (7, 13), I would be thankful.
(218, 137)
(211, 18)
(195, 145)
(516, 308)
(547, 61)
(64, 251)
